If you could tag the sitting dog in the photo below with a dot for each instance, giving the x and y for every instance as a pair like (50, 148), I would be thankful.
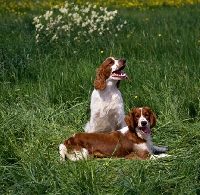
(107, 107)
(132, 141)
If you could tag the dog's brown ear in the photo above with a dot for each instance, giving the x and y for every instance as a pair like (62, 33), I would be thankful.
(129, 119)
(100, 80)
(152, 119)
(103, 73)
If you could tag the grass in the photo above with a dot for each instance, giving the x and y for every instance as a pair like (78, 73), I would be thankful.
(45, 94)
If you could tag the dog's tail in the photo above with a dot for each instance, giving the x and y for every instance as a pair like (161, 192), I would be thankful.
(73, 155)
(158, 150)
(62, 151)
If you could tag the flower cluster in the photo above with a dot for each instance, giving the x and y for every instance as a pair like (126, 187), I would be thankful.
(75, 22)
(145, 4)
(22, 6)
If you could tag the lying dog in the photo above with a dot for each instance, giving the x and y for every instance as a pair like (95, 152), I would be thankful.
(132, 141)
(107, 107)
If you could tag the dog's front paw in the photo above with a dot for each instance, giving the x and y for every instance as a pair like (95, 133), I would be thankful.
(153, 156)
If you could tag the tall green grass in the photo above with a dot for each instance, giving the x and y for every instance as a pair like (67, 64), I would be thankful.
(45, 95)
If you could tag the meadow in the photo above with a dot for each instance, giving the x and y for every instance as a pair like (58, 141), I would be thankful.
(46, 79)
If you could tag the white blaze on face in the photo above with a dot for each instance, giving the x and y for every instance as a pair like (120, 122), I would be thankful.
(142, 118)
(115, 65)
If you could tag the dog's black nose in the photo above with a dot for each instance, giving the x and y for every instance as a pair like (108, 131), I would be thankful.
(123, 60)
(143, 123)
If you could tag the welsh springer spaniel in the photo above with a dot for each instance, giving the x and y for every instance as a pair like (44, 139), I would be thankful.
(132, 141)
(107, 108)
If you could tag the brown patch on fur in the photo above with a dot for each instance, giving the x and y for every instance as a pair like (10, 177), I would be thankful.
(103, 73)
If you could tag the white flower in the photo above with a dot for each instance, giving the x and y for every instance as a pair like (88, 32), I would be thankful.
(94, 13)
(76, 21)
(48, 14)
(39, 26)
(76, 8)
(36, 20)
(65, 27)
(84, 24)
(98, 20)
(56, 7)
(37, 38)
(54, 37)
(66, 4)
(86, 10)
(90, 31)
(63, 10)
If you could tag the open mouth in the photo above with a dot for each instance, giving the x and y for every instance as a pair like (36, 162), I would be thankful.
(145, 130)
(118, 74)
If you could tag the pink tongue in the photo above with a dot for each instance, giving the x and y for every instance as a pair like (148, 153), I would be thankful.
(127, 78)
(146, 130)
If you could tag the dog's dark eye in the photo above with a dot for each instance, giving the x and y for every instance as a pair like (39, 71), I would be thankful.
(137, 116)
(147, 115)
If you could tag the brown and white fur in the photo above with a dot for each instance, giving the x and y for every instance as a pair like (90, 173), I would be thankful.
(107, 107)
(132, 141)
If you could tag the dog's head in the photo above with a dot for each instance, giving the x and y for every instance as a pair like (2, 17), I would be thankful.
(110, 69)
(141, 118)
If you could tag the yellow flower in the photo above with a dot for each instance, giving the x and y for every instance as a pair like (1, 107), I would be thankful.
(135, 96)
(107, 164)
(199, 41)
(159, 35)
(101, 51)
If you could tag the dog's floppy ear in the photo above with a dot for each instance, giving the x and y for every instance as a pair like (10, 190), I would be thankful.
(129, 119)
(103, 73)
(100, 80)
(152, 119)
